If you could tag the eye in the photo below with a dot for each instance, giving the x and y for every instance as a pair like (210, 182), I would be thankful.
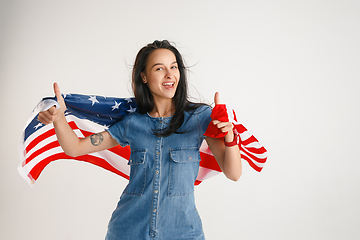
(158, 69)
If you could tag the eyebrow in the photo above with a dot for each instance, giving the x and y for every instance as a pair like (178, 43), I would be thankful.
(162, 64)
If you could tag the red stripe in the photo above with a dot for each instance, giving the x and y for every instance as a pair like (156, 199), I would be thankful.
(253, 165)
(208, 161)
(37, 169)
(51, 145)
(249, 140)
(44, 136)
(39, 138)
(256, 150)
(253, 157)
(197, 182)
(240, 128)
(101, 162)
(41, 150)
(234, 115)
(121, 151)
(73, 125)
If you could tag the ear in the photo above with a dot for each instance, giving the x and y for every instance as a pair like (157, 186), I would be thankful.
(143, 77)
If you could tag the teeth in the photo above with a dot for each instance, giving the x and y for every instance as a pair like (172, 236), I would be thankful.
(168, 84)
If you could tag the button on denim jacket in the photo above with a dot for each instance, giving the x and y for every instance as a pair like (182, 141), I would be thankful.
(158, 202)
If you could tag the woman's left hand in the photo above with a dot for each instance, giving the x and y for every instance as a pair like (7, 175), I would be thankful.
(223, 126)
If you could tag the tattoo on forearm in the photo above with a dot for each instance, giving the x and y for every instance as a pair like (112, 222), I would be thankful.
(96, 139)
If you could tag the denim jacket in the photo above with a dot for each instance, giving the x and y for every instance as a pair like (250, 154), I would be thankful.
(158, 202)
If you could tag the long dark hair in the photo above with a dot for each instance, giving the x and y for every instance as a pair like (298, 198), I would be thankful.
(143, 96)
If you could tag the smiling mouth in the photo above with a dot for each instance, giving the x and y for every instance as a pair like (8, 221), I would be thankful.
(168, 84)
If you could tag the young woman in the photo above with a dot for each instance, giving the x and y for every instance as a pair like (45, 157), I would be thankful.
(165, 137)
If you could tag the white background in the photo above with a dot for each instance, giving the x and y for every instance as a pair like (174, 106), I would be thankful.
(289, 68)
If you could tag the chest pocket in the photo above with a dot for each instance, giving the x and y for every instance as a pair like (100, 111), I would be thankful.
(184, 167)
(137, 180)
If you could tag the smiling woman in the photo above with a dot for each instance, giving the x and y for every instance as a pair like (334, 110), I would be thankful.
(165, 137)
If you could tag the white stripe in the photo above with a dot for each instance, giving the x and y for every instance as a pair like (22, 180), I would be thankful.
(254, 145)
(245, 135)
(114, 160)
(230, 113)
(258, 155)
(30, 165)
(252, 160)
(25, 170)
(205, 148)
(205, 173)
(41, 145)
(49, 140)
(85, 124)
(38, 132)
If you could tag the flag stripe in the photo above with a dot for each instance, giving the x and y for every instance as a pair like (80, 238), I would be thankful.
(40, 138)
(247, 157)
(204, 174)
(41, 150)
(46, 143)
(37, 169)
(121, 151)
(260, 158)
(38, 147)
(208, 161)
(252, 164)
(47, 134)
(249, 140)
(260, 151)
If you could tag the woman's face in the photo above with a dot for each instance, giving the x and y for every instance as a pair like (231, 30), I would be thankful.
(162, 74)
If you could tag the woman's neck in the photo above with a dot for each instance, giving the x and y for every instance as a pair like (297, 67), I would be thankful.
(163, 109)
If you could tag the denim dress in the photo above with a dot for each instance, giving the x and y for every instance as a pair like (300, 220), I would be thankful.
(158, 202)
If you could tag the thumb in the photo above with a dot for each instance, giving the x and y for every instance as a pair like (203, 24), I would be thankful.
(57, 92)
(217, 98)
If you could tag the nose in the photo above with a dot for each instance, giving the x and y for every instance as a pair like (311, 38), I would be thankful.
(169, 74)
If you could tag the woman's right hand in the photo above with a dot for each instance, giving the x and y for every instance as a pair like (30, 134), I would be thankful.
(53, 114)
(69, 141)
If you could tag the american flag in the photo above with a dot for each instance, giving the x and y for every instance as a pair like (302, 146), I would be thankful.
(89, 114)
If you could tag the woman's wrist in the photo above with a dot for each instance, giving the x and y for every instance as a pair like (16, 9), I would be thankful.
(235, 140)
(229, 137)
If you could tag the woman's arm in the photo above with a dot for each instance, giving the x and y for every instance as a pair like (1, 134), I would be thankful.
(69, 141)
(228, 158)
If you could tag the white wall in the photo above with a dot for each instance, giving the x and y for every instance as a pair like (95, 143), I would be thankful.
(289, 68)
